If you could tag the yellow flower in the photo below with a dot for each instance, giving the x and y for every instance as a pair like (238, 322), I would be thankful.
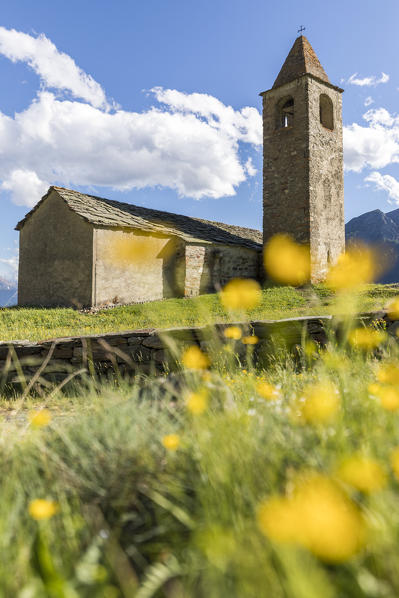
(388, 395)
(278, 519)
(353, 268)
(388, 373)
(320, 404)
(366, 338)
(41, 508)
(393, 309)
(241, 293)
(250, 340)
(194, 359)
(233, 332)
(267, 391)
(133, 249)
(395, 462)
(287, 262)
(40, 418)
(171, 442)
(363, 473)
(318, 516)
(197, 402)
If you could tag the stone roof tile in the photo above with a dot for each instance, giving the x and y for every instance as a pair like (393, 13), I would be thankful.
(107, 213)
(301, 59)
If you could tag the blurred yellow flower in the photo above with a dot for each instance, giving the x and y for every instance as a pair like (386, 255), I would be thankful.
(355, 267)
(388, 395)
(241, 293)
(388, 373)
(319, 403)
(197, 402)
(363, 473)
(233, 332)
(318, 516)
(41, 508)
(366, 338)
(194, 359)
(267, 391)
(132, 249)
(393, 309)
(278, 519)
(40, 418)
(250, 340)
(171, 442)
(286, 261)
(395, 461)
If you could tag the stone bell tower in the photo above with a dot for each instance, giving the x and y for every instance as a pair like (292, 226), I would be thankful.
(303, 190)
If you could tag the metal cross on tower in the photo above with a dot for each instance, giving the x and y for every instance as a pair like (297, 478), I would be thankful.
(302, 28)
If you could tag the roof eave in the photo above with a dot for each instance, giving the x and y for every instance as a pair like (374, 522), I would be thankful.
(319, 79)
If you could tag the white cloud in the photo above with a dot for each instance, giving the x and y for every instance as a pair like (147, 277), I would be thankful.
(55, 69)
(73, 143)
(187, 142)
(240, 124)
(385, 182)
(375, 145)
(371, 81)
(25, 186)
(368, 101)
(250, 168)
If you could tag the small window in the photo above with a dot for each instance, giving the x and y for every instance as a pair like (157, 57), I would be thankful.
(326, 112)
(285, 113)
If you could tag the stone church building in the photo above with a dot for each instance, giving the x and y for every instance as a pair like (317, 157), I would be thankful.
(65, 240)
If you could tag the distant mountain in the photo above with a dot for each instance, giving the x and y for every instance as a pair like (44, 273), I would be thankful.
(8, 292)
(382, 230)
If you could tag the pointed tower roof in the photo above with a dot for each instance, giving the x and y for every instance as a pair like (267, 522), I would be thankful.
(302, 59)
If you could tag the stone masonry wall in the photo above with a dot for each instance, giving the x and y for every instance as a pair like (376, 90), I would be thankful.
(148, 351)
(326, 181)
(286, 165)
(210, 267)
(139, 274)
(56, 257)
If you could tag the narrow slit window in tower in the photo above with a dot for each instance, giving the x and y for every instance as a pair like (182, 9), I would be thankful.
(326, 112)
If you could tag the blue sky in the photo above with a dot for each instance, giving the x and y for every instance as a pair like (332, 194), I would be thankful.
(76, 106)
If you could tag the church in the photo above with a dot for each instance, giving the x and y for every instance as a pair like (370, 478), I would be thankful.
(66, 240)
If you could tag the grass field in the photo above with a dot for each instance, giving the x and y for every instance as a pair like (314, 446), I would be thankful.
(280, 483)
(277, 302)
(229, 481)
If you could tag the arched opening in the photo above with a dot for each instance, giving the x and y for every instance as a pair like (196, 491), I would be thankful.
(285, 113)
(326, 112)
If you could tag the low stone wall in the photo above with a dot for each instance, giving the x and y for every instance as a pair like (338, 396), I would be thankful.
(148, 351)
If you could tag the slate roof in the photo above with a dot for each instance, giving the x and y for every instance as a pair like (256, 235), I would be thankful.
(109, 213)
(301, 60)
